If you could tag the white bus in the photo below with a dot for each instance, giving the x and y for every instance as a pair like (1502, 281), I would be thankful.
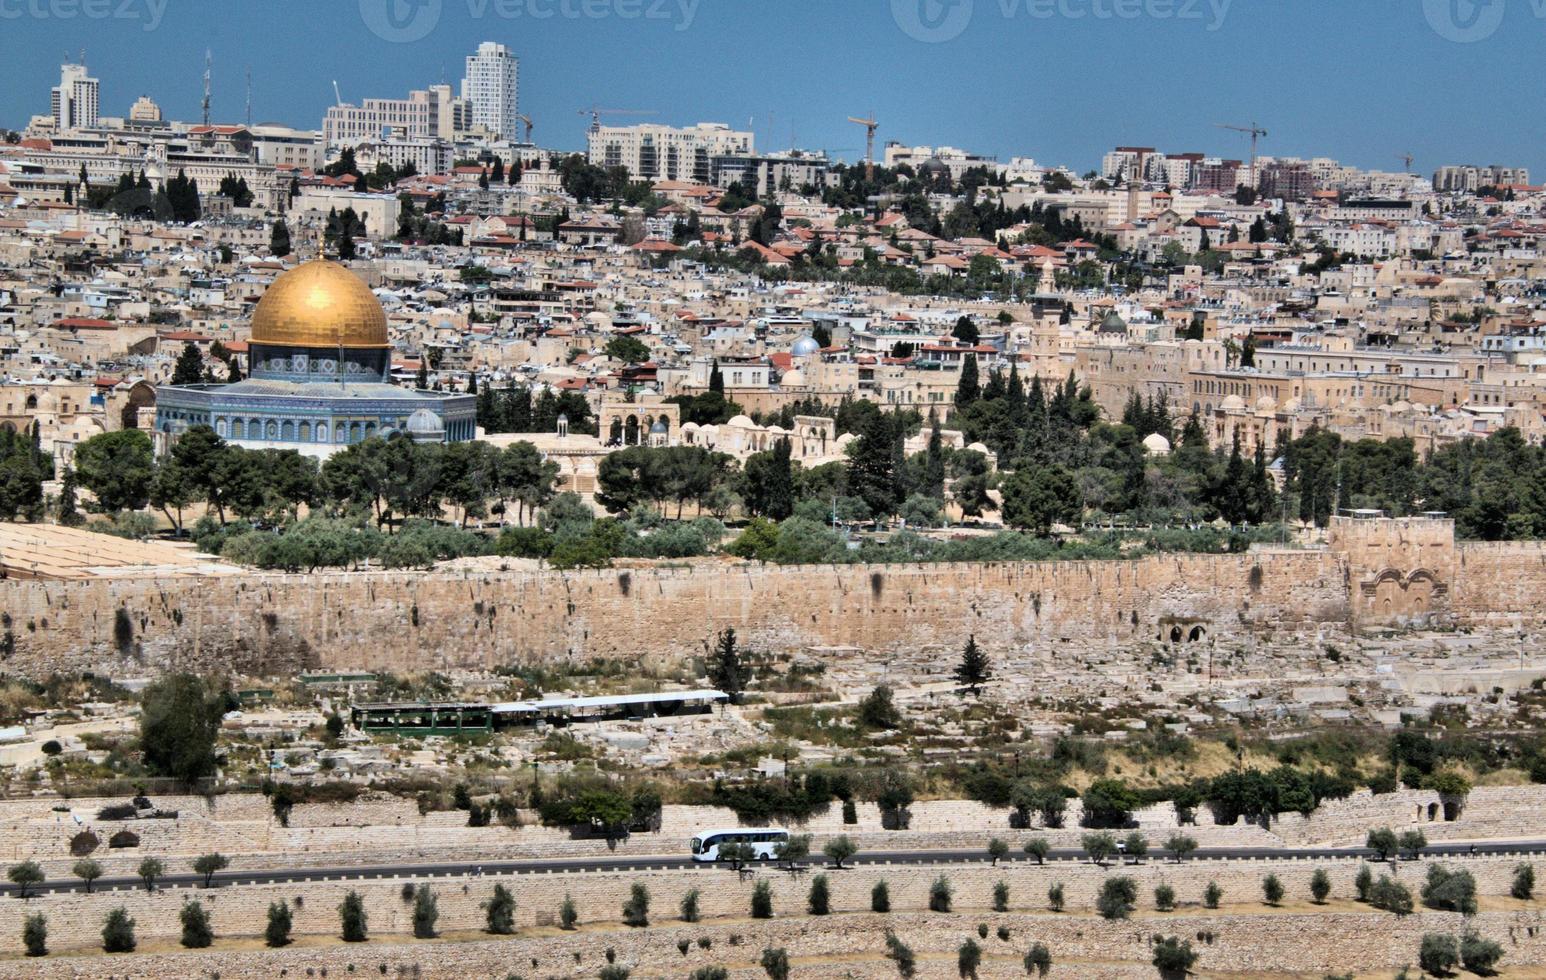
(764, 842)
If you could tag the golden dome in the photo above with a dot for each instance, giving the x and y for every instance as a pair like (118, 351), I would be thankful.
(320, 304)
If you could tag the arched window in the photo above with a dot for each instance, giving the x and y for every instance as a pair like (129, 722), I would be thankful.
(220, 428)
(287, 431)
(239, 429)
(340, 433)
(303, 432)
(271, 430)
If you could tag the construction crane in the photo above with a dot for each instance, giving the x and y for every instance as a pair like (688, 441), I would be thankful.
(526, 121)
(870, 125)
(596, 112)
(1406, 158)
(337, 94)
(209, 68)
(1256, 133)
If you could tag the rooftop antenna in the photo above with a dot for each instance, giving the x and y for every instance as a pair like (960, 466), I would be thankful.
(249, 96)
(209, 67)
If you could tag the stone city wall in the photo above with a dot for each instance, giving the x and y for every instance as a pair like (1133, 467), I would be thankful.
(1248, 937)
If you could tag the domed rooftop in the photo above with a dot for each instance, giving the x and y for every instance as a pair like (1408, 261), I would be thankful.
(805, 346)
(1156, 445)
(425, 426)
(320, 304)
(1233, 403)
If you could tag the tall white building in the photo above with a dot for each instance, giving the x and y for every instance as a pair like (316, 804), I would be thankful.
(655, 152)
(76, 102)
(431, 113)
(490, 89)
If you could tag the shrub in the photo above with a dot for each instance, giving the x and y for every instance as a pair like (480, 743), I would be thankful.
(1320, 886)
(407, 891)
(636, 911)
(118, 932)
(613, 971)
(352, 919)
(1038, 848)
(1363, 882)
(567, 914)
(1439, 954)
(1272, 889)
(1523, 887)
(968, 959)
(710, 973)
(277, 933)
(1164, 898)
(84, 843)
(195, 921)
(1055, 896)
(123, 839)
(775, 963)
(1039, 958)
(940, 895)
(1118, 897)
(117, 811)
(762, 900)
(1003, 934)
(1001, 897)
(899, 953)
(34, 935)
(819, 901)
(1211, 895)
(689, 907)
(1452, 890)
(880, 897)
(1479, 955)
(499, 912)
(1391, 896)
(1173, 957)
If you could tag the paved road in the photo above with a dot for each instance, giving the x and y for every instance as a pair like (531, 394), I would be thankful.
(646, 863)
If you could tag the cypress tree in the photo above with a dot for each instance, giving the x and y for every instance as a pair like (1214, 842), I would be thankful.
(968, 389)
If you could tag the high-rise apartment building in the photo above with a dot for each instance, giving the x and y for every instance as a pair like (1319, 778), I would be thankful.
(432, 113)
(76, 102)
(1469, 178)
(490, 88)
(655, 152)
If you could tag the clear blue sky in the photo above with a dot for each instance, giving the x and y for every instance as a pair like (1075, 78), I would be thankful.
(1359, 80)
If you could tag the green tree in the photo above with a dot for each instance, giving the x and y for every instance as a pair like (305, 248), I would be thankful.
(1212, 895)
(1439, 954)
(1164, 898)
(878, 710)
(724, 667)
(880, 897)
(197, 933)
(189, 369)
(1479, 955)
(1001, 896)
(352, 920)
(208, 864)
(1055, 896)
(1118, 898)
(1037, 498)
(88, 871)
(940, 895)
(1363, 882)
(969, 387)
(966, 331)
(628, 350)
(689, 907)
(636, 911)
(426, 913)
(118, 932)
(568, 915)
(1272, 889)
(277, 932)
(279, 239)
(117, 467)
(1039, 960)
(1383, 843)
(499, 912)
(24, 876)
(149, 871)
(1173, 957)
(839, 850)
(968, 959)
(975, 669)
(762, 900)
(998, 849)
(1180, 846)
(819, 900)
(1038, 848)
(34, 934)
(902, 955)
(179, 724)
(1523, 886)
(775, 963)
(1412, 843)
(1320, 886)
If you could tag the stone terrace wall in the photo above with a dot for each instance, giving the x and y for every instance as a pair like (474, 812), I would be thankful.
(1249, 937)
(1501, 581)
(266, 624)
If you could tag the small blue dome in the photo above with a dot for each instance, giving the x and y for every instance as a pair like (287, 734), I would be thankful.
(805, 346)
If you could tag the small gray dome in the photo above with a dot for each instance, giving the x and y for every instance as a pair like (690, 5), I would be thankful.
(805, 346)
(425, 426)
